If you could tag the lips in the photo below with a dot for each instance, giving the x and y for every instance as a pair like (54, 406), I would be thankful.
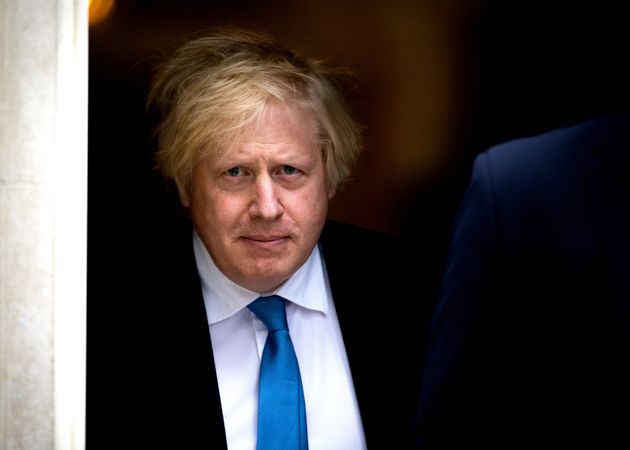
(264, 241)
(264, 238)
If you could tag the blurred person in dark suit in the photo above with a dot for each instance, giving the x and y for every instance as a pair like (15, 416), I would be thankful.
(529, 344)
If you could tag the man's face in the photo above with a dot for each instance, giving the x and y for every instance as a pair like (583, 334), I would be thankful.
(260, 207)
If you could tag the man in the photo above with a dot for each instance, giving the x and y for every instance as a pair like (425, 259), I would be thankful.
(529, 346)
(256, 140)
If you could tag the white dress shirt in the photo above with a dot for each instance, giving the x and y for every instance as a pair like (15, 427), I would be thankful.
(238, 338)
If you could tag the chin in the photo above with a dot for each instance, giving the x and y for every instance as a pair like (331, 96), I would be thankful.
(270, 279)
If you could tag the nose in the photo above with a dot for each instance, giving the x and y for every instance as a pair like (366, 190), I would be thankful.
(266, 202)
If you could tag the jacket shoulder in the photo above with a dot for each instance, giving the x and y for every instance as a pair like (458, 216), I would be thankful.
(561, 151)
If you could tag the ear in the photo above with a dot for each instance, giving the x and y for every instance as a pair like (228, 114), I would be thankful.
(184, 197)
(331, 192)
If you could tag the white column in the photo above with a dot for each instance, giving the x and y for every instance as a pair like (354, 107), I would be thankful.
(43, 191)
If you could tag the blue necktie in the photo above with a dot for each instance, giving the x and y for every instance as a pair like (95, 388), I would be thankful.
(281, 411)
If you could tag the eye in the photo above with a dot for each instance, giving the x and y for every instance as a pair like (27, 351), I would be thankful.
(234, 171)
(289, 170)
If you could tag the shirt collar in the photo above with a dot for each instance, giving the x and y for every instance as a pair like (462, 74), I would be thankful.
(223, 298)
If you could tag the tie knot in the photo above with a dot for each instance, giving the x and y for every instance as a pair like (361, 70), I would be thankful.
(271, 311)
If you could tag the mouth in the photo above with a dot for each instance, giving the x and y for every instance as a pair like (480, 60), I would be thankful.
(265, 241)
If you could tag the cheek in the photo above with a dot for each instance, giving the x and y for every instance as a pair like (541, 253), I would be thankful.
(223, 210)
(210, 209)
(311, 204)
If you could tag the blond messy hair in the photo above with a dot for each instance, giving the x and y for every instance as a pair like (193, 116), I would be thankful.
(214, 86)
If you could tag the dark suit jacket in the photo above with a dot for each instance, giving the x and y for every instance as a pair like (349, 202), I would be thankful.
(530, 340)
(151, 375)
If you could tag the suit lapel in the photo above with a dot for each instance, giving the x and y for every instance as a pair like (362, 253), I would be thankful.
(180, 373)
(364, 277)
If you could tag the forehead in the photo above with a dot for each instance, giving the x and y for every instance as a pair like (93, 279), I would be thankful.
(278, 127)
(275, 119)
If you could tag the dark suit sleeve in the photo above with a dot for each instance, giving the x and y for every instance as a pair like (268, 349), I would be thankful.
(455, 369)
